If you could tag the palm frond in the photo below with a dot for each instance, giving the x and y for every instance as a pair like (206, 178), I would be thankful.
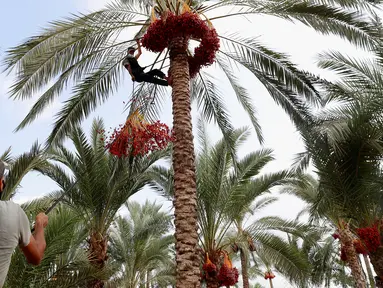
(32, 160)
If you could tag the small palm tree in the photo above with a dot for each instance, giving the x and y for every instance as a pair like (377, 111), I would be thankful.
(65, 262)
(100, 185)
(19, 166)
(225, 195)
(140, 246)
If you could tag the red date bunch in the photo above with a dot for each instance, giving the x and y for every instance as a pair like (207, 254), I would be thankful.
(359, 247)
(228, 275)
(209, 267)
(138, 140)
(163, 31)
(370, 237)
(269, 275)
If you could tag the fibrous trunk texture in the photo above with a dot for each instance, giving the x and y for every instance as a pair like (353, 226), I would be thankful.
(369, 271)
(377, 262)
(97, 256)
(245, 276)
(353, 262)
(185, 198)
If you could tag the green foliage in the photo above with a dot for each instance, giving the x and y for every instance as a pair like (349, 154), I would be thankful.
(100, 183)
(139, 246)
(19, 166)
(83, 52)
(225, 198)
(65, 263)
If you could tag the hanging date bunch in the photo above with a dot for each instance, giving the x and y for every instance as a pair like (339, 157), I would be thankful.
(360, 248)
(228, 275)
(138, 137)
(188, 25)
(370, 237)
(269, 275)
(209, 267)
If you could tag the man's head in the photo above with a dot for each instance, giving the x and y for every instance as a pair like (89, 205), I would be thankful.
(131, 50)
(2, 172)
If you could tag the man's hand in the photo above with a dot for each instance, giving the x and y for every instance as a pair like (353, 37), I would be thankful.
(138, 41)
(34, 251)
(41, 220)
(133, 78)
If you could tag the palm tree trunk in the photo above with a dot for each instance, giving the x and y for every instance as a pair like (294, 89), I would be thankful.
(185, 190)
(271, 283)
(369, 271)
(352, 258)
(97, 255)
(376, 259)
(245, 276)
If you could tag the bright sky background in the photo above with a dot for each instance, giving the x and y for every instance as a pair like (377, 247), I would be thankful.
(280, 135)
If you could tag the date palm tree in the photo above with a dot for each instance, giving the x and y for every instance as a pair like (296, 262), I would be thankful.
(86, 52)
(344, 144)
(65, 262)
(140, 246)
(101, 184)
(225, 195)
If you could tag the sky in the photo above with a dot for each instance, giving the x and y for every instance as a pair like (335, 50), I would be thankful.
(297, 40)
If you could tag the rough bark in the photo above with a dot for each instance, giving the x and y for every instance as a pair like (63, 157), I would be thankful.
(185, 198)
(245, 276)
(353, 262)
(377, 262)
(97, 255)
(369, 271)
(378, 282)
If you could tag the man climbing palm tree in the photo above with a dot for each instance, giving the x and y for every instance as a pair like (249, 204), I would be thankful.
(15, 230)
(137, 72)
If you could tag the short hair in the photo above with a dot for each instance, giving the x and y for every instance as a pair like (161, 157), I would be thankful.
(131, 48)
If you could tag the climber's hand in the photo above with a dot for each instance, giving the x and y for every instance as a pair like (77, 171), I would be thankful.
(138, 41)
(133, 78)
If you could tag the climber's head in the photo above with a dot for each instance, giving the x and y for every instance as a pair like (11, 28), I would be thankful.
(131, 50)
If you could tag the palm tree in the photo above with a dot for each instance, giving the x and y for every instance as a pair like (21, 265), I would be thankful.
(34, 159)
(65, 262)
(139, 245)
(225, 195)
(100, 185)
(85, 51)
(344, 144)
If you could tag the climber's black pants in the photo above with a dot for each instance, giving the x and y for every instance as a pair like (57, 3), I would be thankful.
(151, 77)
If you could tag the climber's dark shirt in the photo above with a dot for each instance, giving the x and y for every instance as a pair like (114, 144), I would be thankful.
(132, 61)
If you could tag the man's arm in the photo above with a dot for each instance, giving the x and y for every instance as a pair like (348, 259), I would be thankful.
(34, 251)
(139, 49)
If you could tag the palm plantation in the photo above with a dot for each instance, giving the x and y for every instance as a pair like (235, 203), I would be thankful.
(225, 196)
(85, 53)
